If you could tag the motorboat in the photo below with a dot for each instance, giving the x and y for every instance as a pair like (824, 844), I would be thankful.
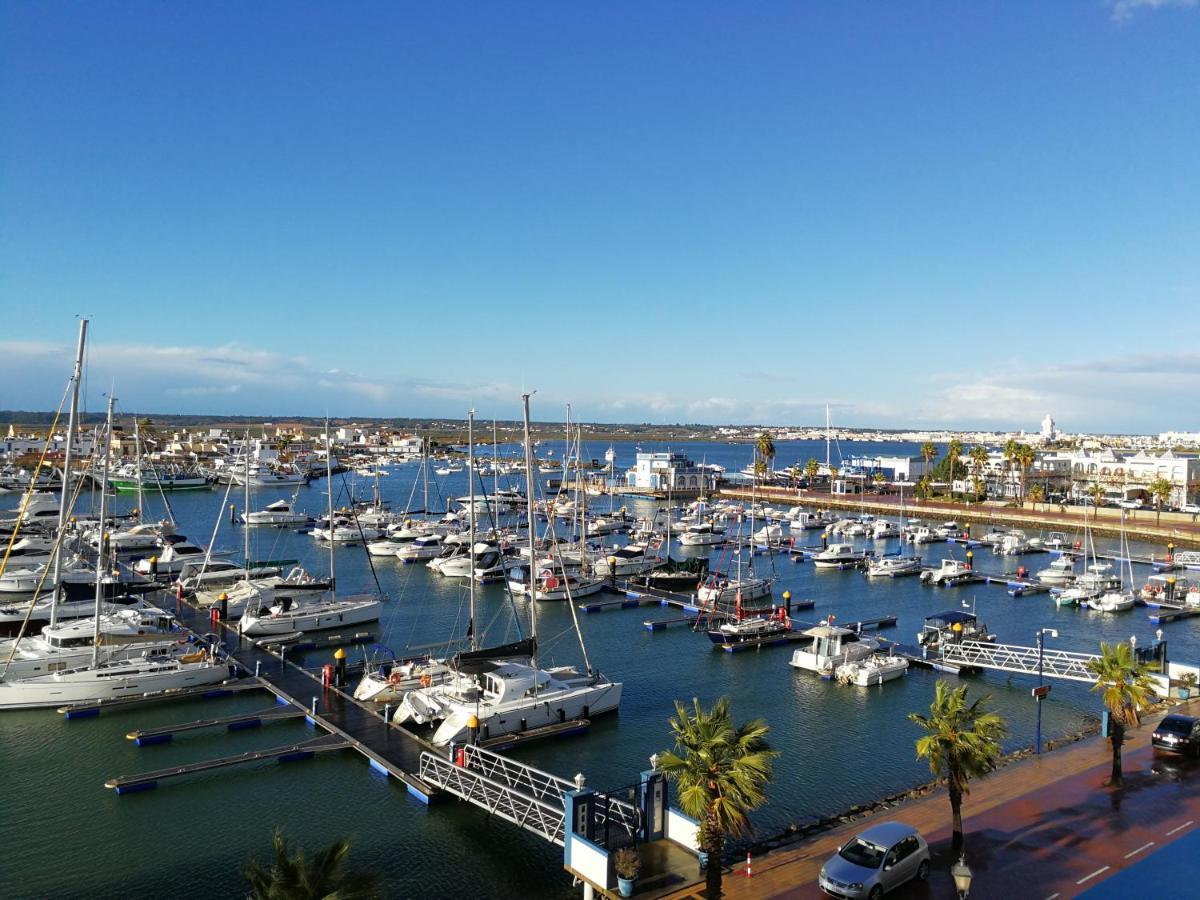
(281, 512)
(893, 566)
(993, 537)
(632, 559)
(124, 634)
(950, 571)
(1170, 591)
(427, 546)
(554, 584)
(875, 669)
(923, 534)
(839, 556)
(675, 576)
(1057, 540)
(346, 531)
(769, 535)
(948, 530)
(137, 538)
(883, 529)
(217, 574)
(1013, 544)
(1060, 571)
(258, 593)
(801, 520)
(832, 646)
(176, 553)
(702, 534)
(952, 626)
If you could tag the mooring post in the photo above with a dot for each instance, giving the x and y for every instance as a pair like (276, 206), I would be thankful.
(314, 706)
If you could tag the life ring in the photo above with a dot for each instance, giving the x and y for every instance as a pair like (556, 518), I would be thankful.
(426, 681)
(550, 583)
(394, 679)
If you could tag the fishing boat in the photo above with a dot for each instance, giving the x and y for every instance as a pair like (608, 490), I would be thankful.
(131, 479)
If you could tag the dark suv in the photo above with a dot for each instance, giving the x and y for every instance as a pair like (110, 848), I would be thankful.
(1177, 734)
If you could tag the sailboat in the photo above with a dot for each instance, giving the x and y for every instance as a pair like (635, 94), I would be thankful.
(155, 670)
(293, 613)
(489, 698)
(720, 590)
(894, 566)
(1123, 598)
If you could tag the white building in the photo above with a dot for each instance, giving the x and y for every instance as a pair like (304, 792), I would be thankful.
(1128, 477)
(1049, 432)
(670, 470)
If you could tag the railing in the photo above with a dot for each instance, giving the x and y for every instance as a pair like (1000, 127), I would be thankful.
(527, 796)
(1013, 658)
(506, 801)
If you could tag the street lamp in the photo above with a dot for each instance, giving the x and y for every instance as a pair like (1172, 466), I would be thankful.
(1041, 691)
(961, 873)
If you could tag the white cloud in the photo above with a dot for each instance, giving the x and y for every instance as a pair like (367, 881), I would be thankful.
(1123, 10)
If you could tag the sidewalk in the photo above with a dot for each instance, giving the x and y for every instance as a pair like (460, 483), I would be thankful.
(1040, 828)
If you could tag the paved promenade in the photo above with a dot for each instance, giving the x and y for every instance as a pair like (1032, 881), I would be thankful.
(1041, 828)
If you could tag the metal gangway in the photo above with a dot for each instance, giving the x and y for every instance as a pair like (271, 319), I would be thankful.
(1015, 658)
(521, 794)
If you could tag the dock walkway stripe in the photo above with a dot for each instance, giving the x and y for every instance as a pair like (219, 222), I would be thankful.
(1181, 827)
(1099, 871)
(1139, 849)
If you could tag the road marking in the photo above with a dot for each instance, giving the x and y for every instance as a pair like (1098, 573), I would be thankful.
(1093, 875)
(1139, 850)
(1181, 827)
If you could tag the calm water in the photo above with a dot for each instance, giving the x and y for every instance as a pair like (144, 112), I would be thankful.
(64, 834)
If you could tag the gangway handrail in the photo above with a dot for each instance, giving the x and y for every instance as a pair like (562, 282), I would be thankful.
(1053, 663)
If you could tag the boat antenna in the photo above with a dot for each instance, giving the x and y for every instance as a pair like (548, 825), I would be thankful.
(101, 561)
(529, 514)
(72, 421)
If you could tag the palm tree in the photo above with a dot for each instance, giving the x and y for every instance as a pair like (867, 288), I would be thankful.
(721, 773)
(811, 468)
(766, 452)
(961, 742)
(929, 453)
(980, 487)
(1037, 494)
(880, 480)
(1125, 690)
(1096, 492)
(1025, 458)
(1160, 490)
(292, 877)
(1010, 455)
(953, 452)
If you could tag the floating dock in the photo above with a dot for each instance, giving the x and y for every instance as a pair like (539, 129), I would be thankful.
(148, 736)
(202, 692)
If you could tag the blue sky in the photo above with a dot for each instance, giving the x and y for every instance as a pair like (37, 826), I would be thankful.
(921, 213)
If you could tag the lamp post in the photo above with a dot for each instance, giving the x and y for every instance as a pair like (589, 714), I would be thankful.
(961, 873)
(1041, 692)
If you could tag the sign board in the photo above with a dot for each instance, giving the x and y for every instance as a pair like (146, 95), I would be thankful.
(1041, 691)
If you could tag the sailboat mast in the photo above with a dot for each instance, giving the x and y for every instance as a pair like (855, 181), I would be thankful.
(246, 509)
(495, 462)
(329, 506)
(828, 435)
(425, 471)
(137, 463)
(101, 561)
(529, 515)
(471, 524)
(72, 421)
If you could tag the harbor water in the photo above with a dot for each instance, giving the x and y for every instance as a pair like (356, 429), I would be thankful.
(64, 834)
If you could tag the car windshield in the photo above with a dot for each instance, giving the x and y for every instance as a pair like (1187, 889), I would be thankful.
(863, 853)
(1175, 726)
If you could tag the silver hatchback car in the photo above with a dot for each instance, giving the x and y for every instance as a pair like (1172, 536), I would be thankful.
(880, 859)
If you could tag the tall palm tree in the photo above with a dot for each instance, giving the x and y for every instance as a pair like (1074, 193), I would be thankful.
(1010, 455)
(1096, 492)
(929, 453)
(953, 452)
(1160, 490)
(980, 487)
(962, 741)
(1025, 458)
(292, 877)
(1125, 689)
(766, 452)
(720, 772)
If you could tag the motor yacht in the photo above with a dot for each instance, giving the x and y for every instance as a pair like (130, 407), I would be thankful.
(839, 556)
(949, 572)
(832, 646)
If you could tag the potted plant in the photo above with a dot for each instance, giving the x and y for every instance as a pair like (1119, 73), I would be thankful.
(628, 863)
(1187, 682)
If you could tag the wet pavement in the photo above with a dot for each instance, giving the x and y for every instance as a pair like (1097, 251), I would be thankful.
(1041, 829)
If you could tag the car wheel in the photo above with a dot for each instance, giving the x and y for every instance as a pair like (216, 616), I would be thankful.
(923, 870)
(876, 893)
